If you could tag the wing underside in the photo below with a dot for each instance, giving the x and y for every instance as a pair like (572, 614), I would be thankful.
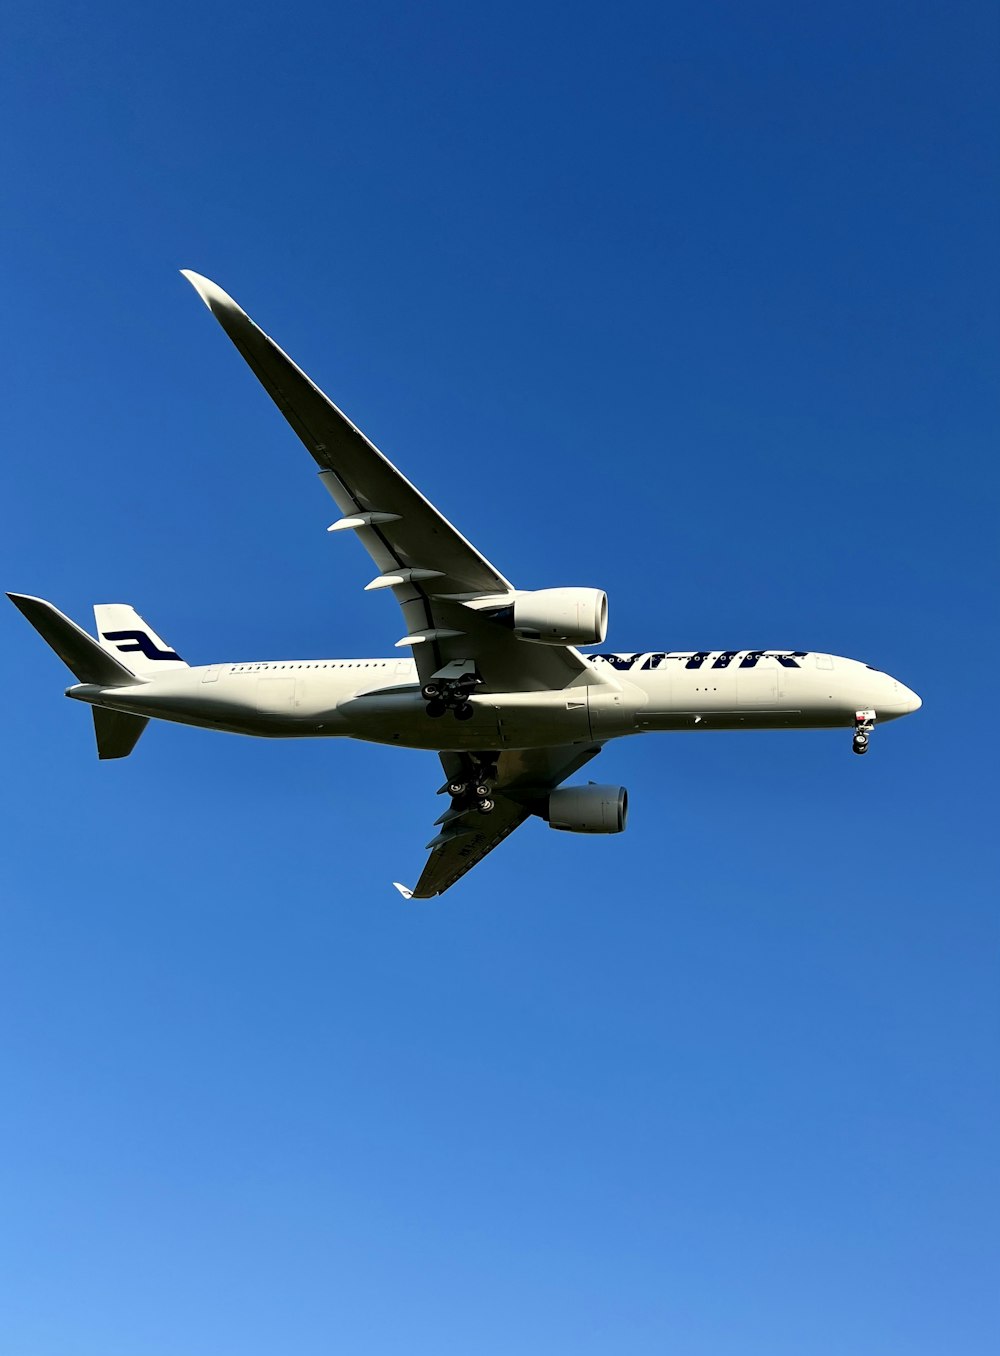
(522, 782)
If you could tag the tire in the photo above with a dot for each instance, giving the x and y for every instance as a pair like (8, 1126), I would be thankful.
(485, 806)
(861, 746)
(436, 709)
(457, 789)
(432, 691)
(464, 712)
(483, 789)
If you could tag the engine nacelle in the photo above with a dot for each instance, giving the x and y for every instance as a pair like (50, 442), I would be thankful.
(561, 616)
(588, 809)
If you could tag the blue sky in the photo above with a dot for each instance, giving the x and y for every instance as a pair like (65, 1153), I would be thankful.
(698, 304)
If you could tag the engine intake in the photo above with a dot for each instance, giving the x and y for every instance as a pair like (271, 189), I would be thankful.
(588, 809)
(561, 616)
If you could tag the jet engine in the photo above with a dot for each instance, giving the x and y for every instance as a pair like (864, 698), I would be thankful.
(560, 616)
(588, 809)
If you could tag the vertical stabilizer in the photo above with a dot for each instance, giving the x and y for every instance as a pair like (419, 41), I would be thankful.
(124, 634)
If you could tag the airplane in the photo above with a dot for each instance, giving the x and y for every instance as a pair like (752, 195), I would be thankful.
(495, 683)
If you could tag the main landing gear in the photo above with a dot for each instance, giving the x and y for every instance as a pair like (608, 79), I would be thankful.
(864, 723)
(450, 691)
(475, 790)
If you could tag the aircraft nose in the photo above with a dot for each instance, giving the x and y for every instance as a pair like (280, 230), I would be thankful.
(893, 698)
(909, 699)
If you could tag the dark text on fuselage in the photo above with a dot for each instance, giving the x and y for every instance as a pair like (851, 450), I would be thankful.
(748, 659)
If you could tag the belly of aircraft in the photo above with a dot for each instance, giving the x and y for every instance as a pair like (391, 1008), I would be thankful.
(512, 720)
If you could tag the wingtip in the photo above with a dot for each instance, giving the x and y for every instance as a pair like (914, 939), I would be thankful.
(404, 890)
(211, 293)
(19, 598)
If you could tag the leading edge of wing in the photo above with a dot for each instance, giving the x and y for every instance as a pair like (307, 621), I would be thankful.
(368, 481)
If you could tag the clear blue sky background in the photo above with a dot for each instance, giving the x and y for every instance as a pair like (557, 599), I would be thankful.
(696, 303)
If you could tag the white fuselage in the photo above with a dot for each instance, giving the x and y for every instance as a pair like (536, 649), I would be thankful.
(380, 699)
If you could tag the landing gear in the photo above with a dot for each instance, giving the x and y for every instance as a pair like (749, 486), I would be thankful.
(477, 792)
(450, 691)
(864, 723)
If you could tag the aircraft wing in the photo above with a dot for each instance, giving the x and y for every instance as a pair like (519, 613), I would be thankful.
(524, 779)
(417, 552)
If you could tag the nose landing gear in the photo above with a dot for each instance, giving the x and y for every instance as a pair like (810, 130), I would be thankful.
(864, 723)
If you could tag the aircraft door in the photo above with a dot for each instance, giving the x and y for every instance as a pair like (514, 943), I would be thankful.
(275, 694)
(758, 686)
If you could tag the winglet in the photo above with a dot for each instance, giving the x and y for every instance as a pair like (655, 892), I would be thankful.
(404, 890)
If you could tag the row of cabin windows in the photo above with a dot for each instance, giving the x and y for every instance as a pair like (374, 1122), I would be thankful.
(330, 664)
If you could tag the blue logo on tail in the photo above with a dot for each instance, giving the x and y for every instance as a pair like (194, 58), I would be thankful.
(138, 641)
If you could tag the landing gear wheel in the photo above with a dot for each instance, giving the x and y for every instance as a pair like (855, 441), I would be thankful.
(436, 708)
(457, 789)
(485, 806)
(464, 712)
(430, 691)
(864, 723)
(483, 789)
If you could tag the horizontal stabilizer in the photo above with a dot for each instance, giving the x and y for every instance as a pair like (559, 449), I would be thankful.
(117, 732)
(81, 654)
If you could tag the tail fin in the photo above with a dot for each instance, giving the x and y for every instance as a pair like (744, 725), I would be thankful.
(88, 661)
(117, 731)
(124, 633)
